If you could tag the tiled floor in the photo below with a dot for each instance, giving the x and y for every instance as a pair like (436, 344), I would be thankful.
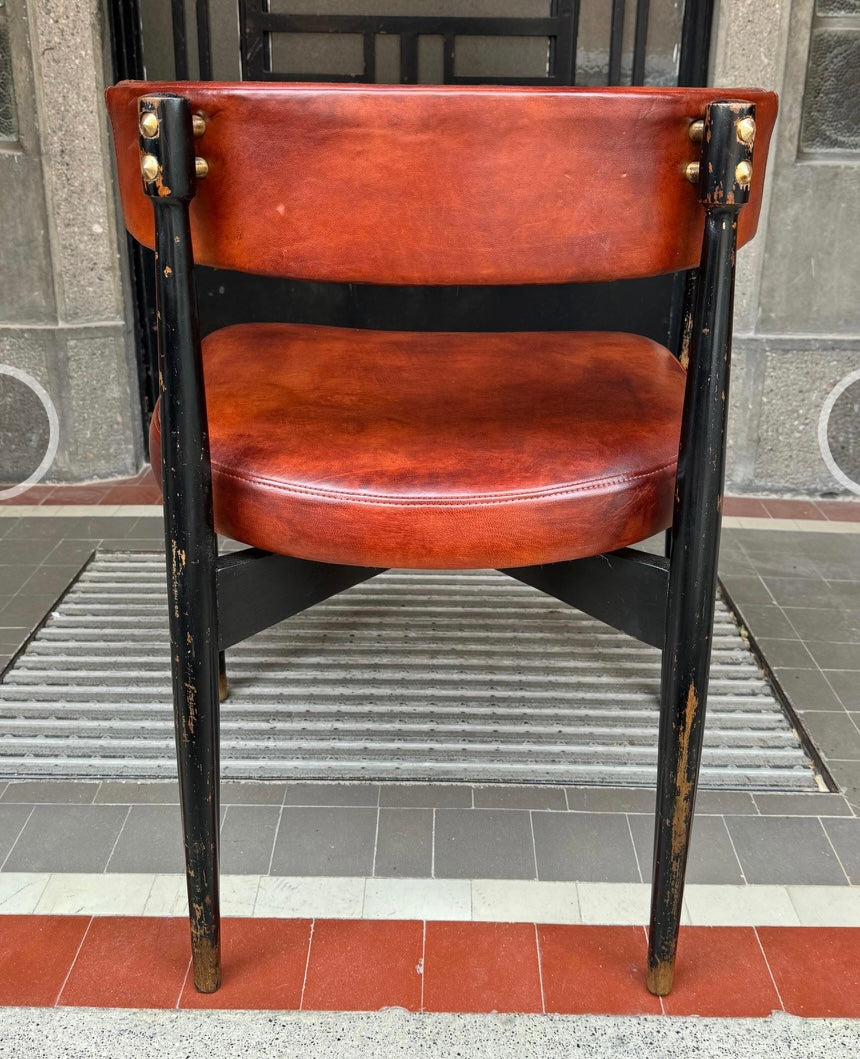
(399, 884)
(348, 965)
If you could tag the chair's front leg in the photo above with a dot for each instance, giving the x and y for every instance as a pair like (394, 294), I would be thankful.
(724, 179)
(169, 175)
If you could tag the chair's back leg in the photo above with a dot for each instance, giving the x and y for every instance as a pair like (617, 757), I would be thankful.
(695, 543)
(189, 535)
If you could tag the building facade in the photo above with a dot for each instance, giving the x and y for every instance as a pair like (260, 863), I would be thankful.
(66, 311)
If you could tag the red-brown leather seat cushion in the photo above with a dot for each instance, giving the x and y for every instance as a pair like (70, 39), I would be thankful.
(398, 449)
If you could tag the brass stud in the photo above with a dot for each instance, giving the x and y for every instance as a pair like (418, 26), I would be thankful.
(696, 131)
(691, 172)
(198, 124)
(201, 168)
(743, 174)
(149, 167)
(746, 130)
(149, 124)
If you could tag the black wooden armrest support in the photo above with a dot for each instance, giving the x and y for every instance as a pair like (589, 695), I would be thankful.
(626, 589)
(257, 589)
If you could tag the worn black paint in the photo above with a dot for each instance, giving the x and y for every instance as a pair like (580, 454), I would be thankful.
(695, 540)
(190, 542)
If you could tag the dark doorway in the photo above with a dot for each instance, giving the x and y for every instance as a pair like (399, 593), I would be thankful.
(542, 42)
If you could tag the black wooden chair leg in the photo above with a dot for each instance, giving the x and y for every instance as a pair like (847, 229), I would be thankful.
(198, 759)
(681, 730)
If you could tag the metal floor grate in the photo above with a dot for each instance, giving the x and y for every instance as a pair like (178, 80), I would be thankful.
(410, 676)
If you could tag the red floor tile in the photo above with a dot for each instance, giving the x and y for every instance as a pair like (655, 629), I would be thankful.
(595, 970)
(364, 965)
(130, 961)
(792, 509)
(263, 966)
(721, 972)
(36, 953)
(76, 494)
(839, 511)
(816, 969)
(480, 967)
(133, 494)
(741, 506)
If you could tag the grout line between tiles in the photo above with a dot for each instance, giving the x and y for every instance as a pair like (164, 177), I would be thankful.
(735, 851)
(375, 842)
(540, 971)
(116, 840)
(633, 844)
(769, 971)
(534, 844)
(835, 854)
(307, 964)
(184, 982)
(17, 837)
(275, 840)
(74, 960)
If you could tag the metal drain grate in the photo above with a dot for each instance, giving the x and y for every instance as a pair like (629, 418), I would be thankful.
(410, 676)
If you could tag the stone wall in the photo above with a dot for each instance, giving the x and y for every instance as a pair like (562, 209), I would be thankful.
(63, 310)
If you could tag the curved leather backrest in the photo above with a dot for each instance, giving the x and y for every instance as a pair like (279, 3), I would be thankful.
(441, 185)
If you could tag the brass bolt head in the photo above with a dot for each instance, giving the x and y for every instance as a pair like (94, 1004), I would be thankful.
(691, 172)
(746, 130)
(148, 124)
(198, 124)
(697, 131)
(743, 174)
(149, 167)
(201, 168)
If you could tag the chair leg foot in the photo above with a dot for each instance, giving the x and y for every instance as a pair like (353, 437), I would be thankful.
(206, 962)
(660, 977)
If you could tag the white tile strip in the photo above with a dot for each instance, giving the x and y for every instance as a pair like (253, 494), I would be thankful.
(488, 900)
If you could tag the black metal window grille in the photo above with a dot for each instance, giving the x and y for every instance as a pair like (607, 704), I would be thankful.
(404, 35)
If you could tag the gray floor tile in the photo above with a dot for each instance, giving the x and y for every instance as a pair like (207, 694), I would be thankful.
(52, 579)
(29, 552)
(745, 588)
(799, 592)
(247, 838)
(426, 795)
(67, 553)
(34, 528)
(27, 609)
(586, 847)
(515, 797)
(610, 800)
(11, 637)
(807, 689)
(150, 841)
(847, 776)
(812, 623)
(845, 836)
(723, 803)
(77, 838)
(13, 577)
(834, 655)
(767, 621)
(846, 594)
(72, 792)
(711, 859)
(331, 794)
(784, 850)
(835, 734)
(131, 792)
(788, 654)
(128, 544)
(235, 792)
(484, 844)
(404, 844)
(846, 684)
(12, 819)
(325, 840)
(802, 805)
(147, 527)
